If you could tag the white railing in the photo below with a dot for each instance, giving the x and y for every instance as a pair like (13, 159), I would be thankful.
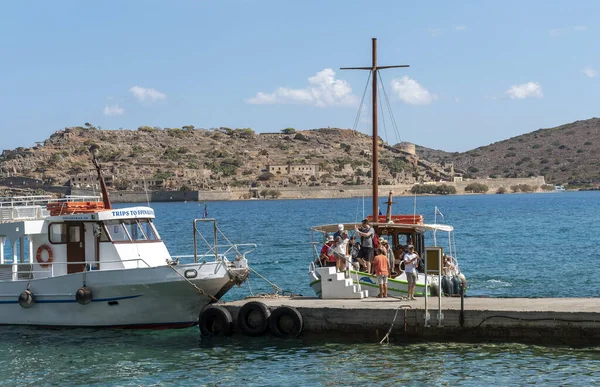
(19, 208)
(14, 271)
(237, 249)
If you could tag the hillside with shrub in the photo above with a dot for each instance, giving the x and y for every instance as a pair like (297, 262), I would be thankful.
(567, 154)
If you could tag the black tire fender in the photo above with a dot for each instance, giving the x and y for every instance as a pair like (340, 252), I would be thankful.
(215, 320)
(286, 321)
(253, 318)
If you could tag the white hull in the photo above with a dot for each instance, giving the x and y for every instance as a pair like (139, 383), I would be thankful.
(397, 287)
(146, 297)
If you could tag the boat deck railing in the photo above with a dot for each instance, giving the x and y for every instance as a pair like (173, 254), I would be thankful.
(214, 248)
(16, 271)
(21, 208)
(238, 249)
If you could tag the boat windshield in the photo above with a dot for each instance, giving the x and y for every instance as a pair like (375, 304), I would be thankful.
(131, 230)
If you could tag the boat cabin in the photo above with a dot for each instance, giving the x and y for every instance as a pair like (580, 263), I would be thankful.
(44, 244)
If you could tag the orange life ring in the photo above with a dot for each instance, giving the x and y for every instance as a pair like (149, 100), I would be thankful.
(38, 256)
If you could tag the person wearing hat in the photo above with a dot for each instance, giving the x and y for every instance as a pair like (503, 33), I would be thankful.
(326, 256)
(410, 268)
(339, 231)
(340, 250)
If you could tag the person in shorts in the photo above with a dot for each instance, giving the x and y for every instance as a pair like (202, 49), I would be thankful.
(410, 268)
(382, 271)
(366, 232)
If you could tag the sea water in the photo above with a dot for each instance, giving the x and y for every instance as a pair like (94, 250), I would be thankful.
(518, 245)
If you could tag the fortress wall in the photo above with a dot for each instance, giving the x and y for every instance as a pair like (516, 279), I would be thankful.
(321, 192)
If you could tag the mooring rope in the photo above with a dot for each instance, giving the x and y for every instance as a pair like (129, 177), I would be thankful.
(277, 288)
(194, 285)
(387, 335)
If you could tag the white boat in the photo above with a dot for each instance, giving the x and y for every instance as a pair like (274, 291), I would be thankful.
(432, 242)
(439, 272)
(559, 188)
(77, 262)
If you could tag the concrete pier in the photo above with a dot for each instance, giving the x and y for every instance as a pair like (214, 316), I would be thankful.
(571, 321)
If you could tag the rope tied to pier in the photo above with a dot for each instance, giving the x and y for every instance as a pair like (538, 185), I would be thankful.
(386, 338)
(201, 291)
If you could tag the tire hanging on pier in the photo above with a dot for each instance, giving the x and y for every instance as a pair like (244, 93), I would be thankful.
(253, 318)
(215, 320)
(286, 321)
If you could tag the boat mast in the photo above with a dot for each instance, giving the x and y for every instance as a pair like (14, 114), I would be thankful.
(105, 198)
(375, 172)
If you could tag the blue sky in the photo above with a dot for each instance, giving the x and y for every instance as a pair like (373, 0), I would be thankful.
(481, 71)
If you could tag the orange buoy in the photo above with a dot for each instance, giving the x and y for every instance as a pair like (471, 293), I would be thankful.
(38, 256)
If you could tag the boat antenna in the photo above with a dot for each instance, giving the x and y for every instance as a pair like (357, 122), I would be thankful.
(374, 69)
(105, 199)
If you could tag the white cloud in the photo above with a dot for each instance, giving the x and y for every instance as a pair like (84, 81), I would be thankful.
(143, 94)
(411, 92)
(590, 72)
(322, 90)
(525, 90)
(460, 28)
(113, 110)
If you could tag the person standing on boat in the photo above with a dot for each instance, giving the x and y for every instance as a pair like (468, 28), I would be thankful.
(410, 268)
(366, 233)
(382, 271)
(339, 232)
(353, 249)
(340, 250)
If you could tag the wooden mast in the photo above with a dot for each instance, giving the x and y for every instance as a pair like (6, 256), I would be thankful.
(105, 198)
(375, 171)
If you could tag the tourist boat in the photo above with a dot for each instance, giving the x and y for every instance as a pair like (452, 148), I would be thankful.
(559, 188)
(439, 272)
(78, 262)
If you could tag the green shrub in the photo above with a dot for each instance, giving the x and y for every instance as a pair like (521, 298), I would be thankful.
(442, 189)
(477, 188)
(501, 190)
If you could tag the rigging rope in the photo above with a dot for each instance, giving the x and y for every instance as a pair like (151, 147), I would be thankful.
(362, 100)
(389, 105)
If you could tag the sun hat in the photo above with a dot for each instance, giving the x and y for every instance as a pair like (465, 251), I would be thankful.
(340, 227)
(330, 238)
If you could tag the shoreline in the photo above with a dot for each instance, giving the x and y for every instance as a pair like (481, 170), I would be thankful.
(321, 192)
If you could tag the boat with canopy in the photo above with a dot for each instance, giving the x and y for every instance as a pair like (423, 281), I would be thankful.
(438, 269)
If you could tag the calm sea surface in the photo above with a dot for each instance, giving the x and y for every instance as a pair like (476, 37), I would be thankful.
(508, 246)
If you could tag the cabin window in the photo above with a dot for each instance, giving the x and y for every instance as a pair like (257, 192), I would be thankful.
(134, 230)
(58, 233)
(74, 234)
(129, 230)
(149, 229)
(116, 231)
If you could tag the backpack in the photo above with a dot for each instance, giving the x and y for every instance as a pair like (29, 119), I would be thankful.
(375, 240)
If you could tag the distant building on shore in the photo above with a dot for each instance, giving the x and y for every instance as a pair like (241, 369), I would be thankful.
(293, 169)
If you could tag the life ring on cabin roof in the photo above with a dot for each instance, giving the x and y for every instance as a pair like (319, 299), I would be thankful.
(38, 256)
